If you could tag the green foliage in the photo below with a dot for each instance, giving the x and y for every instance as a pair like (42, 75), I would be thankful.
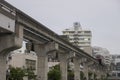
(31, 74)
(55, 73)
(57, 67)
(70, 75)
(103, 77)
(95, 76)
(16, 74)
(82, 76)
(90, 75)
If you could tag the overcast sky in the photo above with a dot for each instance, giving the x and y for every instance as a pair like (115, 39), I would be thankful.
(102, 17)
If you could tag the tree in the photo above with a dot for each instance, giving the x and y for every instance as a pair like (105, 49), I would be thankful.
(82, 76)
(16, 74)
(54, 73)
(90, 75)
(95, 76)
(70, 75)
(31, 75)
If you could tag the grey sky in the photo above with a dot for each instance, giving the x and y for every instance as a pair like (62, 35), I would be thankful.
(102, 17)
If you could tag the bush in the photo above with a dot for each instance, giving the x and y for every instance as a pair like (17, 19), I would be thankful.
(31, 75)
(90, 74)
(55, 73)
(82, 76)
(16, 74)
(70, 75)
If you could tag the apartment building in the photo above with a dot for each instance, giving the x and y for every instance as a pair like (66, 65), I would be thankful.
(79, 37)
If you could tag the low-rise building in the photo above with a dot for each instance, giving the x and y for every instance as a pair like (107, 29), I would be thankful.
(22, 60)
(25, 60)
(102, 53)
(115, 73)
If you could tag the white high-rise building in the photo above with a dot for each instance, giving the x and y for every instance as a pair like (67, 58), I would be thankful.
(79, 37)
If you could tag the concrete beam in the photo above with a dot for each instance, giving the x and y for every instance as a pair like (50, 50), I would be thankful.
(13, 41)
(71, 54)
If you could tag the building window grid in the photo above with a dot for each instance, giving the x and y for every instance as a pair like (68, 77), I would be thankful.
(30, 64)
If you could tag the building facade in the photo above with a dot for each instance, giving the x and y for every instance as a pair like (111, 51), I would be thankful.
(25, 60)
(79, 37)
(115, 73)
(103, 54)
(22, 60)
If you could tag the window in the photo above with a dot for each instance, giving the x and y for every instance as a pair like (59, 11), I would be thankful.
(81, 38)
(88, 38)
(117, 68)
(30, 64)
(118, 56)
(79, 31)
(87, 31)
(118, 74)
(81, 42)
(114, 74)
(71, 31)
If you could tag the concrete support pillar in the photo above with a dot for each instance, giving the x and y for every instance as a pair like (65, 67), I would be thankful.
(63, 65)
(42, 61)
(76, 69)
(97, 71)
(2, 67)
(9, 43)
(42, 51)
(92, 71)
(85, 70)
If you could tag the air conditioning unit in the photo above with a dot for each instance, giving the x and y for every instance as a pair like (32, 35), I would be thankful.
(7, 24)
